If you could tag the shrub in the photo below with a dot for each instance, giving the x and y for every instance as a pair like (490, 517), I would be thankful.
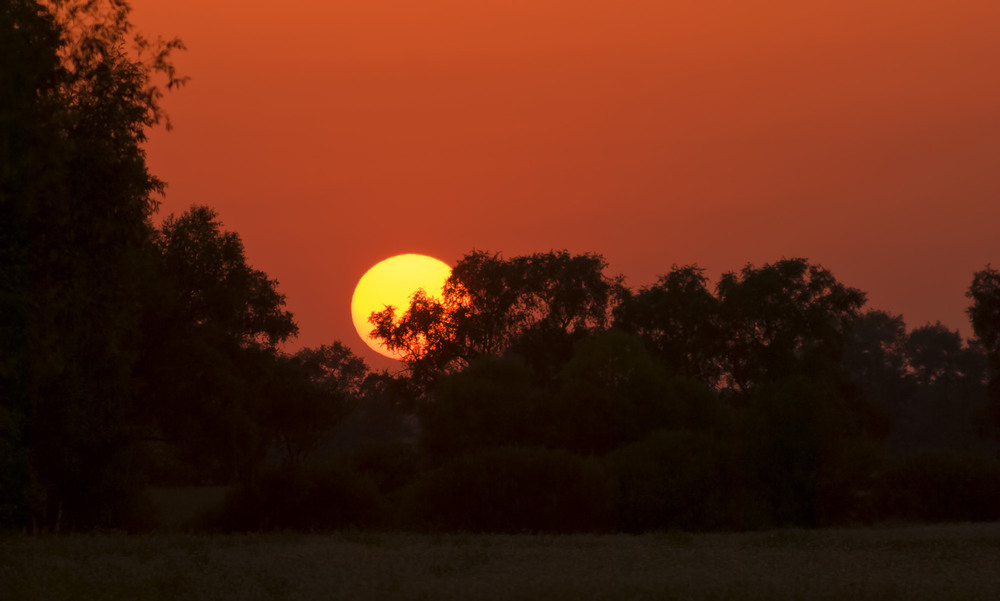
(492, 403)
(390, 466)
(612, 392)
(791, 435)
(848, 484)
(943, 485)
(671, 480)
(324, 498)
(512, 489)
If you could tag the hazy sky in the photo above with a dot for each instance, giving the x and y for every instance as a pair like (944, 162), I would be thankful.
(861, 134)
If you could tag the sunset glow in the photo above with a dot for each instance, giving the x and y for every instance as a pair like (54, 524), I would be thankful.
(861, 135)
(710, 267)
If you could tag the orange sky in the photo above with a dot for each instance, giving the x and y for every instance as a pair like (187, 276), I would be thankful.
(862, 134)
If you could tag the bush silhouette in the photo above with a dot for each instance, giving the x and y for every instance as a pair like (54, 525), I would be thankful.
(323, 498)
(612, 392)
(791, 436)
(943, 485)
(493, 402)
(673, 479)
(390, 466)
(848, 486)
(513, 489)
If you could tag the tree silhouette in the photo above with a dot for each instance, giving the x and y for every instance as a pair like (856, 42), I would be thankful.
(323, 385)
(119, 340)
(985, 310)
(875, 366)
(674, 479)
(875, 355)
(612, 392)
(937, 355)
(782, 318)
(493, 402)
(678, 318)
(75, 201)
(209, 371)
(793, 428)
(985, 316)
(947, 396)
(535, 305)
(214, 286)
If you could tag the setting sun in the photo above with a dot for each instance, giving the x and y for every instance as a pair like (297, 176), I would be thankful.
(392, 282)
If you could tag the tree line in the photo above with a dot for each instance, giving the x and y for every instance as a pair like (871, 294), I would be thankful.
(540, 393)
(774, 397)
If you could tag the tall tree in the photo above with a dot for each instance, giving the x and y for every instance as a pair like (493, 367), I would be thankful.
(985, 310)
(936, 355)
(209, 365)
(78, 91)
(874, 364)
(322, 385)
(985, 316)
(947, 399)
(678, 318)
(612, 392)
(536, 305)
(783, 318)
(875, 354)
(213, 285)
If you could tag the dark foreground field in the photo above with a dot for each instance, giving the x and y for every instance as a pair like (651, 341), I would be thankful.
(925, 562)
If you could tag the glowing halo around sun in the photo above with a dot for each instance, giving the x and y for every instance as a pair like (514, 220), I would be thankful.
(393, 282)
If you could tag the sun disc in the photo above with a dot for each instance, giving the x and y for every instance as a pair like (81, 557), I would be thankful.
(392, 282)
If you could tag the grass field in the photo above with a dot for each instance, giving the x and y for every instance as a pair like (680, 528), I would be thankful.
(912, 563)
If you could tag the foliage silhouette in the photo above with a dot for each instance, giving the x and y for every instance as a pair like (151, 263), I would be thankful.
(985, 310)
(875, 361)
(390, 465)
(213, 285)
(328, 498)
(321, 387)
(78, 93)
(791, 436)
(537, 305)
(942, 485)
(671, 480)
(612, 392)
(550, 396)
(782, 318)
(947, 405)
(984, 313)
(493, 402)
(678, 318)
(512, 489)
(214, 387)
(937, 355)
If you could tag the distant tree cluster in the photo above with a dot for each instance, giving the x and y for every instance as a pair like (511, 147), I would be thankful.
(773, 398)
(541, 394)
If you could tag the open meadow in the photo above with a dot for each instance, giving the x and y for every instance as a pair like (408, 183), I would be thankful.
(906, 562)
